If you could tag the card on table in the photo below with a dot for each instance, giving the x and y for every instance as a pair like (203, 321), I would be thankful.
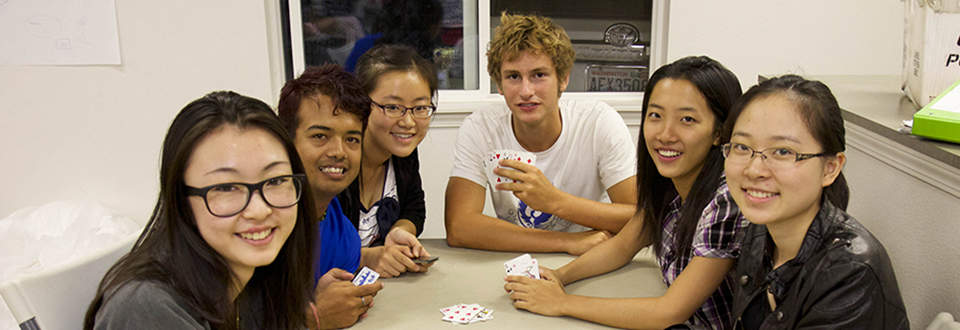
(365, 276)
(466, 313)
(461, 313)
(483, 315)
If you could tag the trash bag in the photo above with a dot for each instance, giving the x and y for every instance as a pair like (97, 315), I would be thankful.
(33, 239)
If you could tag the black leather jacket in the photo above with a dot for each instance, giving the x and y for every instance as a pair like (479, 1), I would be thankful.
(840, 279)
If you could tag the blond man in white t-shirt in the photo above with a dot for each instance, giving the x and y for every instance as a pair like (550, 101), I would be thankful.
(583, 187)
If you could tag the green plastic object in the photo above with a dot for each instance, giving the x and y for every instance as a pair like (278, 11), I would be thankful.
(940, 120)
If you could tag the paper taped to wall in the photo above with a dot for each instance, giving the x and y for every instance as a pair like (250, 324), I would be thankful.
(66, 32)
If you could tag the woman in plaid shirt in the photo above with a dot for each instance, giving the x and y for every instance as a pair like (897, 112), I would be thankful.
(684, 211)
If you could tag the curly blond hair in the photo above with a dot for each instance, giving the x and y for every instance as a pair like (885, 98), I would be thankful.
(534, 34)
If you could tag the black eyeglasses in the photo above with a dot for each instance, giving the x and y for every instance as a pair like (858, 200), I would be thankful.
(396, 110)
(229, 199)
(773, 157)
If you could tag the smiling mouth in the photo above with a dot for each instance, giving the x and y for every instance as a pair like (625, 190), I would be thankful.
(258, 235)
(759, 194)
(332, 170)
(668, 153)
(403, 135)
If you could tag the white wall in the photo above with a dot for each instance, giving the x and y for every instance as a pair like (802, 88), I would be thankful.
(812, 37)
(915, 221)
(94, 132)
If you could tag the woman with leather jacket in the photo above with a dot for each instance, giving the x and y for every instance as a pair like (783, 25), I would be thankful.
(804, 262)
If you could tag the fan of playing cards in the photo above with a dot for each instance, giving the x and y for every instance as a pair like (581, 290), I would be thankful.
(524, 266)
(466, 314)
(490, 163)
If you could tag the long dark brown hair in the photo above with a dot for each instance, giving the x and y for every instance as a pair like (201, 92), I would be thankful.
(820, 113)
(720, 88)
(171, 251)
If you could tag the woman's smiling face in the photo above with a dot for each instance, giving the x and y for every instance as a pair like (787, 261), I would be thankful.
(397, 136)
(679, 129)
(771, 195)
(253, 237)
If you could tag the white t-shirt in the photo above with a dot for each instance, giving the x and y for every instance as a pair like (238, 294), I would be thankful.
(594, 152)
(368, 228)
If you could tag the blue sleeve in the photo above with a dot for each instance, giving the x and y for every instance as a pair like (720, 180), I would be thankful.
(359, 48)
(339, 243)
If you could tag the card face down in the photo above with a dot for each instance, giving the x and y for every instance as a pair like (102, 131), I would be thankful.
(365, 276)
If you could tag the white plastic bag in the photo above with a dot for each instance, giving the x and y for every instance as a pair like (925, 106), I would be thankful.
(36, 238)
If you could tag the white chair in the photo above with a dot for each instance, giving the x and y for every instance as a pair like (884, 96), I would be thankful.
(57, 298)
(944, 321)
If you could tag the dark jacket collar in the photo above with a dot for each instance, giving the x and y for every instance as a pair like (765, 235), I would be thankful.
(779, 279)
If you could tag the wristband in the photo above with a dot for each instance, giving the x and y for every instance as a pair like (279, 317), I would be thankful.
(316, 315)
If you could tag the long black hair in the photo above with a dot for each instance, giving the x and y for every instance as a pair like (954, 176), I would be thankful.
(720, 88)
(820, 113)
(171, 250)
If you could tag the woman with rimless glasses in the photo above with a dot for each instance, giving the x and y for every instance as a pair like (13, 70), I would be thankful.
(804, 262)
(231, 240)
(385, 202)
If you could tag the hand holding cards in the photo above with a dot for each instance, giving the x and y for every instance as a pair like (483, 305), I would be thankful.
(492, 160)
(365, 276)
(523, 266)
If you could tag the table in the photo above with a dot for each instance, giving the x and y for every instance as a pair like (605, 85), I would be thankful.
(413, 300)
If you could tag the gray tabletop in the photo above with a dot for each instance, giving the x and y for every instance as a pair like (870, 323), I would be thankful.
(412, 301)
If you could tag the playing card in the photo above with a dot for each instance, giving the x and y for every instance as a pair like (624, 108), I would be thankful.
(365, 276)
(461, 313)
(483, 315)
(524, 266)
(514, 263)
(446, 310)
(526, 158)
(532, 270)
(523, 157)
(490, 163)
(466, 313)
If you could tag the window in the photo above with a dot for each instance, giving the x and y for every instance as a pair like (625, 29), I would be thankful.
(443, 31)
(617, 41)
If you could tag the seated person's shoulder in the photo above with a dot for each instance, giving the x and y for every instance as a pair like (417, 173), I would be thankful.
(588, 106)
(145, 305)
(849, 241)
(593, 113)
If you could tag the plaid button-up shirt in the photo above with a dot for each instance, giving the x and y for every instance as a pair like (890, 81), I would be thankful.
(718, 235)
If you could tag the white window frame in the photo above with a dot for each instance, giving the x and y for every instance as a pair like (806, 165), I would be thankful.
(454, 105)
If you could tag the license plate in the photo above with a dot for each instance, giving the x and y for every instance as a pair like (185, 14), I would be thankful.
(616, 78)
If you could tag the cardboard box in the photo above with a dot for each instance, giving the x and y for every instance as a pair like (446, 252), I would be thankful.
(931, 48)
